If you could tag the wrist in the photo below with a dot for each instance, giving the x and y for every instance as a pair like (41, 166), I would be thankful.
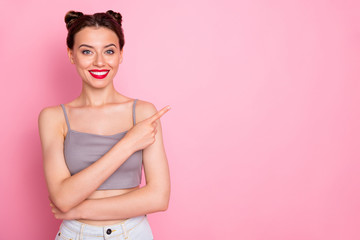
(126, 146)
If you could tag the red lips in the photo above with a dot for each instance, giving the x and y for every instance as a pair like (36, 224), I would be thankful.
(98, 73)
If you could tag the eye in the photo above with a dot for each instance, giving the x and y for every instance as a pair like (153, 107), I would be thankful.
(109, 51)
(86, 52)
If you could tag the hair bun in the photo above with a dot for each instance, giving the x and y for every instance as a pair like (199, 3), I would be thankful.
(117, 16)
(70, 18)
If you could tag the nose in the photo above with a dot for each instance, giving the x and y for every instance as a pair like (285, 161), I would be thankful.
(99, 60)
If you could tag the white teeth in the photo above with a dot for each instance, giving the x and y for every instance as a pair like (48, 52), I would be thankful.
(99, 73)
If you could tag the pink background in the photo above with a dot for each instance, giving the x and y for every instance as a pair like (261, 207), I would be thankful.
(263, 136)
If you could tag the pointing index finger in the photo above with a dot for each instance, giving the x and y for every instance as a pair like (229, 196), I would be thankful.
(159, 114)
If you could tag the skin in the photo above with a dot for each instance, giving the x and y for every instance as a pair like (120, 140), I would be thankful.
(77, 197)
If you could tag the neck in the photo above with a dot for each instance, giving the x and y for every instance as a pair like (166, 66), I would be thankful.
(97, 97)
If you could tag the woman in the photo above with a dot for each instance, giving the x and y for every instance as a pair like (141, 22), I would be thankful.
(94, 147)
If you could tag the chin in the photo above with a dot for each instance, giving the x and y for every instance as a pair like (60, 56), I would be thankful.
(98, 84)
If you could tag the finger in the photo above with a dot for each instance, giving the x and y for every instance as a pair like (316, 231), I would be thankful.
(159, 114)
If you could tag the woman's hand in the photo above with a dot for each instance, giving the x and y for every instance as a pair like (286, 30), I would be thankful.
(58, 214)
(143, 133)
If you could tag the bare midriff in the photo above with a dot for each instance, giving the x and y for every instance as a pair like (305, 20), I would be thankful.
(99, 194)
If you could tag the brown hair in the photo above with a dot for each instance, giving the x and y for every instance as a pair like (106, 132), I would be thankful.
(75, 21)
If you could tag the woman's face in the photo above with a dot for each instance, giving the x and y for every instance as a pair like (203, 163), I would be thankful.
(96, 55)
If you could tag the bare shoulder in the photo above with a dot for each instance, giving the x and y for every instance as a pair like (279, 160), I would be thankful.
(144, 110)
(51, 114)
(51, 117)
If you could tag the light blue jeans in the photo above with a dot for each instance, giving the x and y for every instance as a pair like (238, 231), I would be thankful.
(136, 228)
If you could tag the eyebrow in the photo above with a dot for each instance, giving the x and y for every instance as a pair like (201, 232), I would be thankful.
(85, 45)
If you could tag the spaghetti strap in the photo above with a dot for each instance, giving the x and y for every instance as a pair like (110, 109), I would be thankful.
(133, 112)
(66, 117)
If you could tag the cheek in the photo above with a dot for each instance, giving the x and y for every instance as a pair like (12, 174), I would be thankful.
(83, 62)
(82, 66)
(114, 62)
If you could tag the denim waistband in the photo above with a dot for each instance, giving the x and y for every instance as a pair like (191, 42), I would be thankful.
(107, 231)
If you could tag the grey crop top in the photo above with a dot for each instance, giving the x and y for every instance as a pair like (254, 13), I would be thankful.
(82, 149)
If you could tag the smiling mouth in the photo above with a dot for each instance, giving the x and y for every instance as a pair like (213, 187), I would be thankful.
(99, 74)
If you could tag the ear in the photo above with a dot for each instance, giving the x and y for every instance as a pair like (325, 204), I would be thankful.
(121, 56)
(70, 54)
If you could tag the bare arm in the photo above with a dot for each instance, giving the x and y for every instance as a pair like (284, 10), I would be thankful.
(68, 191)
(153, 197)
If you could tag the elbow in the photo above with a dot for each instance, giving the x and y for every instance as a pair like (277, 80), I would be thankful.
(163, 201)
(61, 204)
(164, 206)
(64, 208)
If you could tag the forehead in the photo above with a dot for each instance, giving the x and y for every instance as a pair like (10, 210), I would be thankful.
(96, 36)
